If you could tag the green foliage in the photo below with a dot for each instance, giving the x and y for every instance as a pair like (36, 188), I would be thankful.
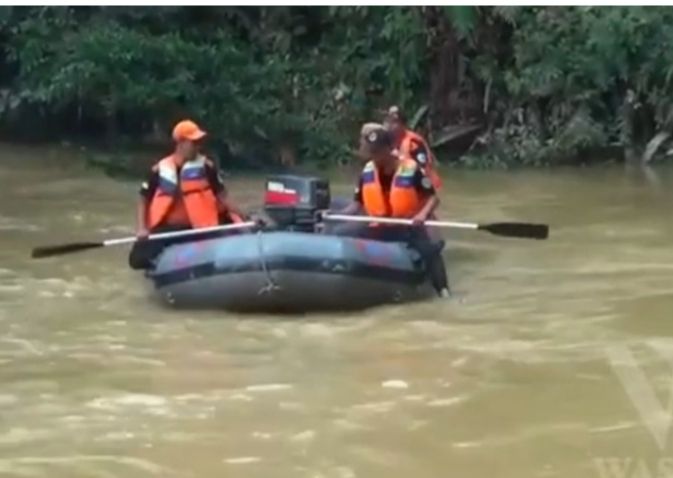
(546, 83)
(111, 69)
(259, 78)
(579, 79)
(462, 18)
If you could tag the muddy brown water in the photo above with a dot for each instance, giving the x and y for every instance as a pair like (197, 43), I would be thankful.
(553, 361)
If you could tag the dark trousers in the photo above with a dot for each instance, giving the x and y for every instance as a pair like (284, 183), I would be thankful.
(144, 252)
(417, 238)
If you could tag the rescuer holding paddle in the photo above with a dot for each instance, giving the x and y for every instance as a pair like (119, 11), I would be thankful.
(394, 185)
(183, 191)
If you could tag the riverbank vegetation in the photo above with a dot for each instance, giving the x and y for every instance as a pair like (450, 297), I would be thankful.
(490, 86)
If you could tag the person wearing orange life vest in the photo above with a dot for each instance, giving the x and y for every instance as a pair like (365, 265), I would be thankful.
(183, 191)
(391, 185)
(412, 144)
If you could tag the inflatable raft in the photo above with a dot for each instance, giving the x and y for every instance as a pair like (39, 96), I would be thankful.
(289, 272)
(293, 265)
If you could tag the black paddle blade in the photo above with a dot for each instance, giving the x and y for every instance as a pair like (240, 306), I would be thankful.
(64, 249)
(517, 229)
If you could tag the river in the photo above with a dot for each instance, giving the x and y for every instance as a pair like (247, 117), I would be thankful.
(554, 359)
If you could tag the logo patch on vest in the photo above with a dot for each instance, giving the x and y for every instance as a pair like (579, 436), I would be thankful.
(192, 173)
(422, 158)
(404, 182)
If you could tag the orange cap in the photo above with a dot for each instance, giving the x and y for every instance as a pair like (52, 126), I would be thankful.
(187, 130)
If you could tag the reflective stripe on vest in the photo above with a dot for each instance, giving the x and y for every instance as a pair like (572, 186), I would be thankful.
(402, 200)
(193, 188)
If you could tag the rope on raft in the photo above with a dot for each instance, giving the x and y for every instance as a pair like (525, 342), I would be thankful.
(270, 286)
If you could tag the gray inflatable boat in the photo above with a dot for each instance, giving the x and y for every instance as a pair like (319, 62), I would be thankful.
(291, 268)
(289, 272)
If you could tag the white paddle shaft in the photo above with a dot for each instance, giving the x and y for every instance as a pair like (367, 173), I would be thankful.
(187, 232)
(390, 220)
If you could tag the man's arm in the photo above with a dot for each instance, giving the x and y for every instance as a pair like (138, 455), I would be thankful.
(221, 193)
(141, 218)
(229, 205)
(420, 153)
(356, 205)
(425, 189)
(430, 204)
(147, 190)
(351, 209)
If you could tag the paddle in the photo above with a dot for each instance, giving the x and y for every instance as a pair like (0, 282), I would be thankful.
(56, 250)
(507, 229)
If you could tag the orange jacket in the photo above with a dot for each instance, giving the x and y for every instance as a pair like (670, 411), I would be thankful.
(188, 195)
(406, 144)
(402, 200)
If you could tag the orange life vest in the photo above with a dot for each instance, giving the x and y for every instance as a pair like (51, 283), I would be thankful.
(406, 146)
(188, 197)
(402, 200)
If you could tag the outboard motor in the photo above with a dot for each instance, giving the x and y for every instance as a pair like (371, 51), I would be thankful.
(293, 201)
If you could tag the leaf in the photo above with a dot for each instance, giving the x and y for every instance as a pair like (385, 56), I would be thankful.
(462, 18)
(418, 116)
(654, 144)
(454, 132)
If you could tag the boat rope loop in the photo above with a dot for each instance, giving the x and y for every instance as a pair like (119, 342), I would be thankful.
(270, 286)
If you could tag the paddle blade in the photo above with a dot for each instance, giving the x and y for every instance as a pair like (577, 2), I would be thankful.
(517, 229)
(48, 251)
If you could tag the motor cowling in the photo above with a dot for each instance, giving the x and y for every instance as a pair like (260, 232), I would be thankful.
(291, 201)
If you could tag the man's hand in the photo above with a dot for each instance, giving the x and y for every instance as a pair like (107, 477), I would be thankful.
(142, 233)
(419, 219)
(353, 208)
(230, 206)
(258, 220)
